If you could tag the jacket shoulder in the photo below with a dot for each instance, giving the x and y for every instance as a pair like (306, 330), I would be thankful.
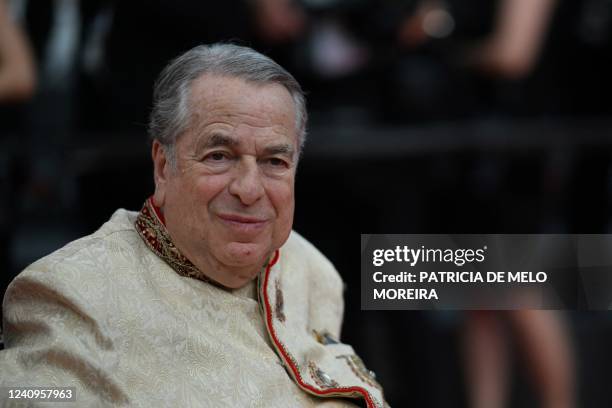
(302, 251)
(95, 247)
(324, 286)
(92, 259)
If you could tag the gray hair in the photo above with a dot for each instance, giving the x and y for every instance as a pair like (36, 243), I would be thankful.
(171, 113)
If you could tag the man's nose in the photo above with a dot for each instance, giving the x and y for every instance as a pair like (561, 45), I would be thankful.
(247, 184)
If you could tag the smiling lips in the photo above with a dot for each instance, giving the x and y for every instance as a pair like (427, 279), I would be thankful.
(243, 224)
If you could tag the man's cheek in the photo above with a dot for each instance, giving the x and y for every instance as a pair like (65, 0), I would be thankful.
(282, 196)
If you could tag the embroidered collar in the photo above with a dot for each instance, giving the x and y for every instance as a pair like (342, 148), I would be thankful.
(150, 225)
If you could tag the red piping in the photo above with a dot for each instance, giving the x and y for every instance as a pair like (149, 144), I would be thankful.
(288, 361)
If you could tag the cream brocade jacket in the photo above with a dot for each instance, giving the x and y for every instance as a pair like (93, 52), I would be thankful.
(109, 315)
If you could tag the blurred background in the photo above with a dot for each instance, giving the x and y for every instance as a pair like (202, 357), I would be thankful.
(427, 116)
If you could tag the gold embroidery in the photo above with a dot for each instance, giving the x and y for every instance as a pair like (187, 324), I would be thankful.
(358, 367)
(155, 235)
(280, 315)
(320, 377)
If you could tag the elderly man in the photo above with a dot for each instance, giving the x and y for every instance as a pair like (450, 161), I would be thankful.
(206, 297)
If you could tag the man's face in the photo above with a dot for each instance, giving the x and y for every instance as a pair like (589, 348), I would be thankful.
(228, 201)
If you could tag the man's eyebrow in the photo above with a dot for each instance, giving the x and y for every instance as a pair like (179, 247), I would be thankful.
(284, 149)
(216, 140)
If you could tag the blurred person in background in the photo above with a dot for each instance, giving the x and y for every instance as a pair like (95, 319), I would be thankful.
(509, 52)
(464, 59)
(543, 338)
(512, 48)
(17, 72)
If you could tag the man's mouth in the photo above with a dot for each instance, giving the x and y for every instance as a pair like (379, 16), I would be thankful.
(242, 223)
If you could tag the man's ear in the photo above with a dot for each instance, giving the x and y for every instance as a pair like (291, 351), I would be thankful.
(161, 170)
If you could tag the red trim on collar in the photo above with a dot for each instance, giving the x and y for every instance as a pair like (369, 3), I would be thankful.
(288, 361)
(274, 259)
(158, 212)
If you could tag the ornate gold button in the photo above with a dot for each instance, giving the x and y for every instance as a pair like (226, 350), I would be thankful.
(322, 379)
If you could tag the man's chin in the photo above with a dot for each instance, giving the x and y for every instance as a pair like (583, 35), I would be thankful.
(245, 254)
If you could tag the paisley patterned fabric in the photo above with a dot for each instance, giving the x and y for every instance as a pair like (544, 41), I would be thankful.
(118, 320)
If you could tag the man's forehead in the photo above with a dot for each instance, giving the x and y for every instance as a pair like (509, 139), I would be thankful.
(214, 89)
(232, 106)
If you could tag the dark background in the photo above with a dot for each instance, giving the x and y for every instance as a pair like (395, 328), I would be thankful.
(409, 140)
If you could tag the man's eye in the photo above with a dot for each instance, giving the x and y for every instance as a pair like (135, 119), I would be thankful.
(217, 156)
(276, 162)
